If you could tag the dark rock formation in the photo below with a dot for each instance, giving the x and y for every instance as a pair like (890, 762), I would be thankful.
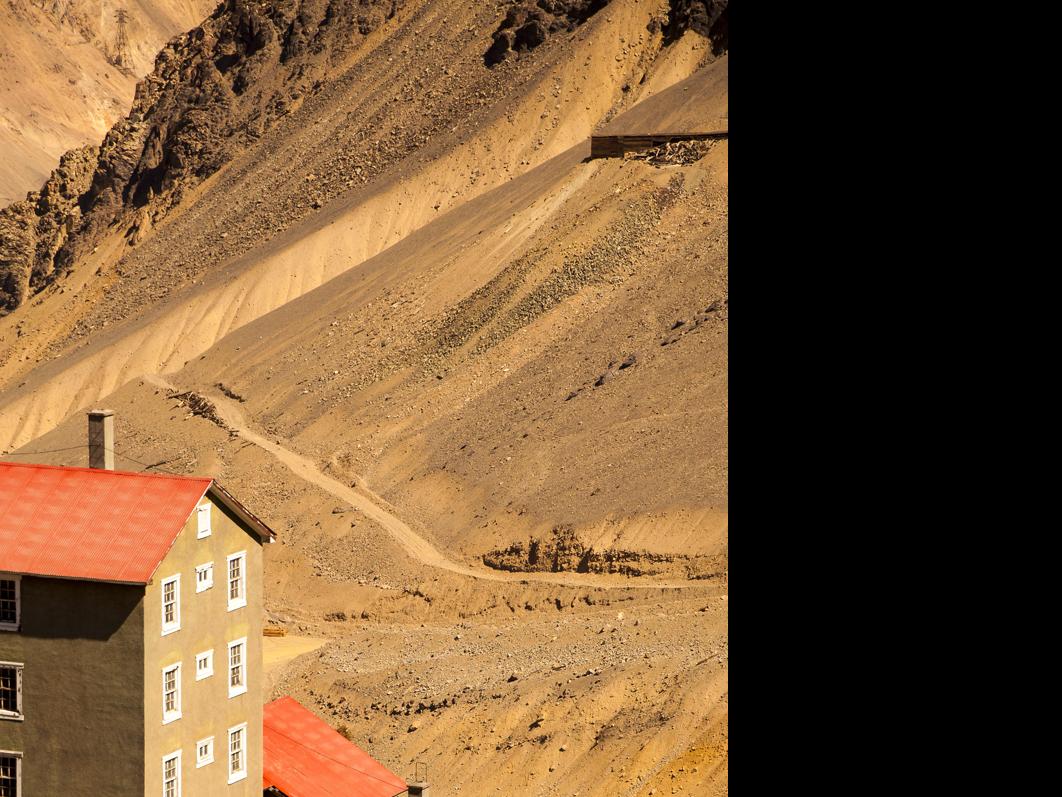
(528, 23)
(213, 90)
(563, 552)
(34, 229)
(707, 17)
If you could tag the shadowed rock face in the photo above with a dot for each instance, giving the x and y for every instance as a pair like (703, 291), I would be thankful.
(706, 17)
(527, 24)
(216, 88)
(34, 229)
(64, 81)
(213, 91)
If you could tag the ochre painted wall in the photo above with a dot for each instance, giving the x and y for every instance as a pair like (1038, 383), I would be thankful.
(82, 644)
(206, 624)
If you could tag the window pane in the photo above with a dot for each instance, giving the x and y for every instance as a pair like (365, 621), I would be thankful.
(8, 776)
(236, 578)
(169, 690)
(169, 604)
(236, 665)
(236, 751)
(169, 777)
(7, 602)
(9, 689)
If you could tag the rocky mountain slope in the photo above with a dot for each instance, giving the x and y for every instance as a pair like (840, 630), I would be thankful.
(475, 380)
(492, 440)
(65, 83)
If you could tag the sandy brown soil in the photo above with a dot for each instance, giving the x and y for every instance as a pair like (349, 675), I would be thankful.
(487, 348)
(607, 685)
(277, 653)
(657, 706)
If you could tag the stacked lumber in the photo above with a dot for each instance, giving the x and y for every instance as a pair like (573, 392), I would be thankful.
(618, 146)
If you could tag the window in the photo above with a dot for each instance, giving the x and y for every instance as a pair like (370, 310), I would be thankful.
(204, 665)
(171, 694)
(10, 774)
(204, 577)
(204, 521)
(10, 691)
(238, 667)
(237, 753)
(204, 752)
(171, 775)
(9, 602)
(171, 604)
(237, 580)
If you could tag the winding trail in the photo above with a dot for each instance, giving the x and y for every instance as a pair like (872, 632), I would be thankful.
(373, 506)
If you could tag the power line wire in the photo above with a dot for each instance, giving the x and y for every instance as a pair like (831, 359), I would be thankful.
(36, 453)
(146, 466)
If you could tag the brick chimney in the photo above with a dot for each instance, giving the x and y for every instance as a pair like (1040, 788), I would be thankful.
(101, 439)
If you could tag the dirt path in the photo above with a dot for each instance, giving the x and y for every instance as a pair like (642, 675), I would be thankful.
(278, 651)
(375, 507)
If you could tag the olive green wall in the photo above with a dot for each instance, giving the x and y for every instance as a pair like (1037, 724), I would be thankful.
(82, 644)
(206, 624)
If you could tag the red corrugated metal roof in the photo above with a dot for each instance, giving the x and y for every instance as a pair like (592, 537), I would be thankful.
(304, 757)
(87, 523)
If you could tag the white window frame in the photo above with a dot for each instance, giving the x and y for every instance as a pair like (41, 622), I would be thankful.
(17, 714)
(202, 761)
(241, 600)
(241, 774)
(169, 628)
(171, 716)
(203, 528)
(18, 769)
(175, 755)
(236, 691)
(201, 674)
(18, 602)
(201, 586)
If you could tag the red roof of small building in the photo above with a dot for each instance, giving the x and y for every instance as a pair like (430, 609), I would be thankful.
(304, 757)
(94, 524)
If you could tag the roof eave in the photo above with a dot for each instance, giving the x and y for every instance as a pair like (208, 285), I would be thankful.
(25, 573)
(228, 500)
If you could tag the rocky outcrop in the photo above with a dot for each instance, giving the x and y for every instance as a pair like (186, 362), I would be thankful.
(709, 18)
(213, 91)
(34, 229)
(564, 552)
(527, 24)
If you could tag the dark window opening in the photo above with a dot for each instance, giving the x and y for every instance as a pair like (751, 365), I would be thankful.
(11, 691)
(8, 602)
(9, 775)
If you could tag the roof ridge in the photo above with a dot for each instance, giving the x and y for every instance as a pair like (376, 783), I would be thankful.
(104, 471)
